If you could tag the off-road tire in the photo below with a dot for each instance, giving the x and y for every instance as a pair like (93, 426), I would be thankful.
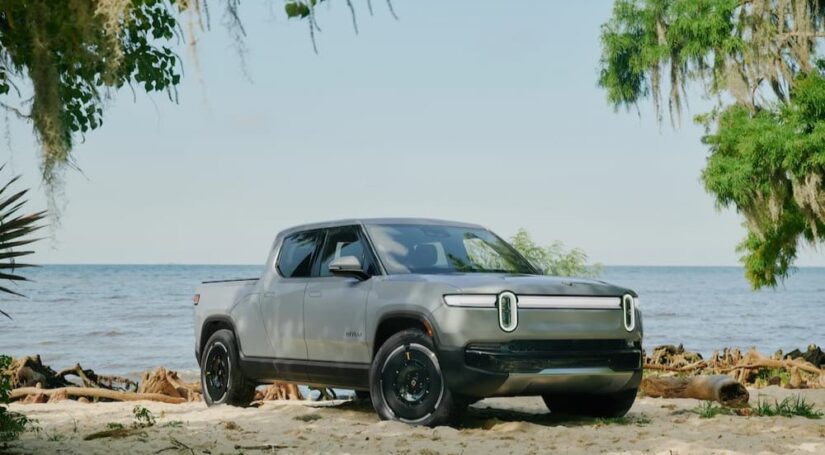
(407, 357)
(592, 405)
(222, 381)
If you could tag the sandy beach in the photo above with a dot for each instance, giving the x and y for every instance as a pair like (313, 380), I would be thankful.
(500, 425)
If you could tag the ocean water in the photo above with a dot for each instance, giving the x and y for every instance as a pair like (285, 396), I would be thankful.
(123, 319)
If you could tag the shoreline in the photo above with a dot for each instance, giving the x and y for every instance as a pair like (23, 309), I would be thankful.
(497, 425)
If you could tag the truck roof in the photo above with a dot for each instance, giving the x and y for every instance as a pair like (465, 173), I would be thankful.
(367, 221)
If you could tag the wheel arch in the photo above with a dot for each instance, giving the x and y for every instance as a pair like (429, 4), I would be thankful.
(393, 322)
(211, 325)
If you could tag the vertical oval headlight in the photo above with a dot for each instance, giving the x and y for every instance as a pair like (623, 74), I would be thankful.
(629, 312)
(507, 311)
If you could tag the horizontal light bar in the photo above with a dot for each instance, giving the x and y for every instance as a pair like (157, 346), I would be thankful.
(471, 300)
(536, 301)
(566, 302)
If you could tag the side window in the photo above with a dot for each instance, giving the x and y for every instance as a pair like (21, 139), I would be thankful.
(295, 258)
(345, 241)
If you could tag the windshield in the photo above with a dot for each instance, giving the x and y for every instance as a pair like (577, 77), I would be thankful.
(429, 249)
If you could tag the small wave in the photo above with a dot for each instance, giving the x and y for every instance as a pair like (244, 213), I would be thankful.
(107, 333)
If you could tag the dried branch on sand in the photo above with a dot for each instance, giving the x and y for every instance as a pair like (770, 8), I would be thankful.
(92, 392)
(30, 371)
(723, 389)
(279, 391)
(794, 370)
(35, 382)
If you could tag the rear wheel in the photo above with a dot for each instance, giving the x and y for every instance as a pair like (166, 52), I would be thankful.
(592, 405)
(222, 381)
(406, 381)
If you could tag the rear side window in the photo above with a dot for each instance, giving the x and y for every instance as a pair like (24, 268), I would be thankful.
(295, 258)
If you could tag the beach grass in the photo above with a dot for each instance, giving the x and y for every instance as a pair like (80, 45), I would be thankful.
(639, 420)
(795, 406)
(709, 410)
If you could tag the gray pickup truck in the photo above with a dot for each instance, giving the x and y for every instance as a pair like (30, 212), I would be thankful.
(421, 316)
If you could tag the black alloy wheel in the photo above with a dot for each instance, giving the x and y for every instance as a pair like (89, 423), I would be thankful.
(222, 380)
(406, 381)
(216, 372)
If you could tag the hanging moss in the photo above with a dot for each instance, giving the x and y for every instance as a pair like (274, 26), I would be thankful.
(73, 52)
(759, 59)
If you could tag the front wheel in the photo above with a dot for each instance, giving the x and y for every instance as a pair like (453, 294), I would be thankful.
(592, 405)
(221, 377)
(406, 381)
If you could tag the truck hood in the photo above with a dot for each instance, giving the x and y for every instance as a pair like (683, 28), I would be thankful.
(487, 283)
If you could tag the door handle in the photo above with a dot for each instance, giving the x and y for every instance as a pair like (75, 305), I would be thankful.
(315, 293)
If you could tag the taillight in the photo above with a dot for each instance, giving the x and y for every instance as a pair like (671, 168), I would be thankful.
(196, 299)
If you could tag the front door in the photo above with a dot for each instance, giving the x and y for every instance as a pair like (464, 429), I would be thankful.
(335, 307)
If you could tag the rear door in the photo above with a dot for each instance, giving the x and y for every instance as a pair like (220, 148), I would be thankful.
(282, 302)
(335, 307)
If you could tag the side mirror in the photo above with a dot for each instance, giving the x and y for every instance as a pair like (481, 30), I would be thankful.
(348, 266)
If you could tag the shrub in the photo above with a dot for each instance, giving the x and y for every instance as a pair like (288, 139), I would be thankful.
(11, 423)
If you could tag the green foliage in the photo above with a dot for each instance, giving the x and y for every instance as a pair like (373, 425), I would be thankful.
(769, 165)
(73, 54)
(709, 410)
(767, 146)
(764, 375)
(640, 420)
(11, 423)
(307, 417)
(15, 231)
(300, 9)
(73, 51)
(114, 426)
(554, 259)
(788, 407)
(143, 417)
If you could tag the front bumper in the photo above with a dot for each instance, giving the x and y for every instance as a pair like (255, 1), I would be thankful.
(538, 367)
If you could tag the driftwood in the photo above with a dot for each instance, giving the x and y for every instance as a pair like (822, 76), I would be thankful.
(743, 368)
(722, 389)
(116, 433)
(279, 391)
(165, 382)
(30, 371)
(92, 392)
(34, 382)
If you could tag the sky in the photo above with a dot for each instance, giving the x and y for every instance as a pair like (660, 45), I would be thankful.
(470, 110)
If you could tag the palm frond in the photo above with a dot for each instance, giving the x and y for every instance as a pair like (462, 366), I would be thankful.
(15, 230)
(8, 254)
(9, 245)
(10, 200)
(9, 291)
(15, 265)
(12, 277)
